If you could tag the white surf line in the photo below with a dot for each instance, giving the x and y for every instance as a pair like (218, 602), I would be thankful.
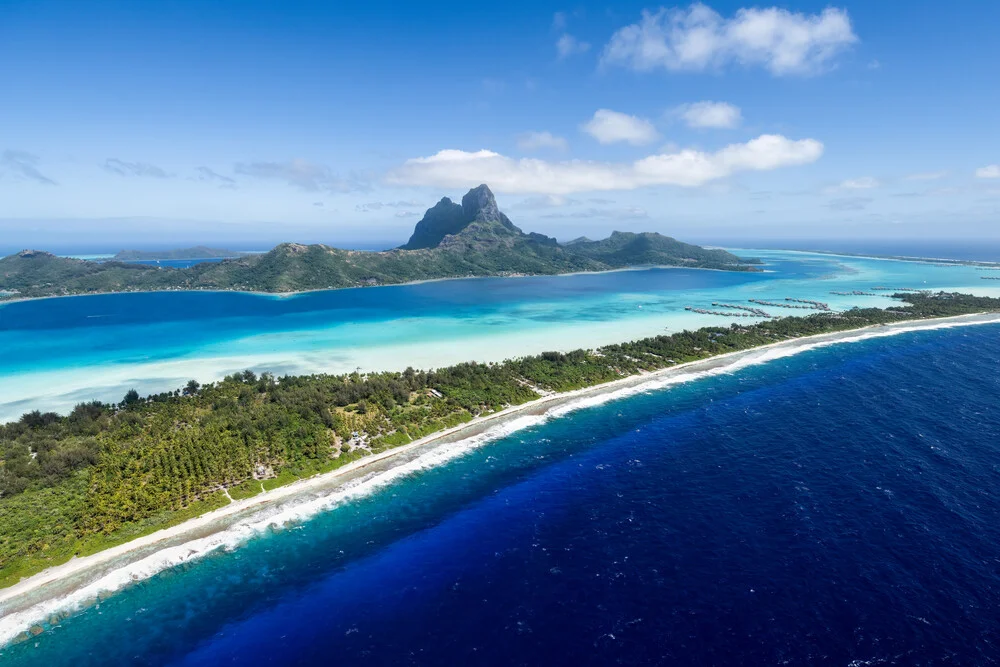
(15, 618)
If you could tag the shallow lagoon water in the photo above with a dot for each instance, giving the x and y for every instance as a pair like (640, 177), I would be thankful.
(58, 352)
(840, 507)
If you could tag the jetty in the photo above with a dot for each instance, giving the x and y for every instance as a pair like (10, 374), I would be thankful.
(818, 305)
(774, 304)
(901, 289)
(722, 313)
(856, 292)
(756, 311)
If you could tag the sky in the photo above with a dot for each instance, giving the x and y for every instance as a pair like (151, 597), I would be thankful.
(249, 123)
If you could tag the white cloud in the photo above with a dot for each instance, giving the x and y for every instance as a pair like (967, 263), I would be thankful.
(211, 176)
(849, 203)
(568, 45)
(710, 114)
(609, 127)
(543, 201)
(25, 165)
(989, 171)
(559, 21)
(686, 168)
(122, 168)
(301, 173)
(379, 205)
(627, 213)
(699, 38)
(927, 176)
(863, 183)
(530, 141)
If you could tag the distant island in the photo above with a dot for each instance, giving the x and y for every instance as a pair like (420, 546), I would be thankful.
(452, 240)
(197, 252)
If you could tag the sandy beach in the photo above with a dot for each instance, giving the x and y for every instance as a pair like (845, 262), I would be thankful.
(82, 580)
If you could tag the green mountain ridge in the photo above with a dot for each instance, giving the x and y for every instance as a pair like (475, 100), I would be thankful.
(197, 252)
(452, 240)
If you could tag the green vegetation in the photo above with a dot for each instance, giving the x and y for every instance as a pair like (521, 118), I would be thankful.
(627, 249)
(198, 252)
(105, 474)
(451, 241)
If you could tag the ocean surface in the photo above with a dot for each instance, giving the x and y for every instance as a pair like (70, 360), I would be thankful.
(981, 250)
(175, 263)
(59, 352)
(840, 506)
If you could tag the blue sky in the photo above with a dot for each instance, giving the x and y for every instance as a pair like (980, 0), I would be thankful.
(146, 123)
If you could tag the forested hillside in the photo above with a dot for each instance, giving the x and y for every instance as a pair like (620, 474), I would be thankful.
(451, 241)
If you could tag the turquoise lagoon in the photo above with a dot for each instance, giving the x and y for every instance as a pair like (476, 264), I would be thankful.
(59, 352)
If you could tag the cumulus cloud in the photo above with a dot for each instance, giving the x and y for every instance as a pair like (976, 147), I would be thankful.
(685, 168)
(989, 171)
(530, 141)
(299, 173)
(609, 127)
(567, 45)
(699, 38)
(122, 168)
(710, 114)
(25, 165)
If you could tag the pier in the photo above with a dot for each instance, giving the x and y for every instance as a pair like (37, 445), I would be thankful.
(856, 292)
(818, 305)
(774, 304)
(756, 311)
(722, 313)
(901, 289)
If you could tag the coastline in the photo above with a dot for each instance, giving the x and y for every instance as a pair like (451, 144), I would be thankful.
(38, 597)
(286, 295)
(885, 258)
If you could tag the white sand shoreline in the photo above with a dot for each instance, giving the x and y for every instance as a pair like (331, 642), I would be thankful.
(42, 590)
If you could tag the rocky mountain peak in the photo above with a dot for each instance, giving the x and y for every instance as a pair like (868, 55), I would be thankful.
(480, 204)
(446, 218)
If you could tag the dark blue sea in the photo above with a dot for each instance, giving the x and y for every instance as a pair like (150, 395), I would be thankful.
(838, 507)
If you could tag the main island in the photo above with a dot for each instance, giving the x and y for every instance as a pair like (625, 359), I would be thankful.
(452, 240)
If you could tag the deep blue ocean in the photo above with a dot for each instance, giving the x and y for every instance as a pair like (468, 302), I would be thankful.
(838, 507)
